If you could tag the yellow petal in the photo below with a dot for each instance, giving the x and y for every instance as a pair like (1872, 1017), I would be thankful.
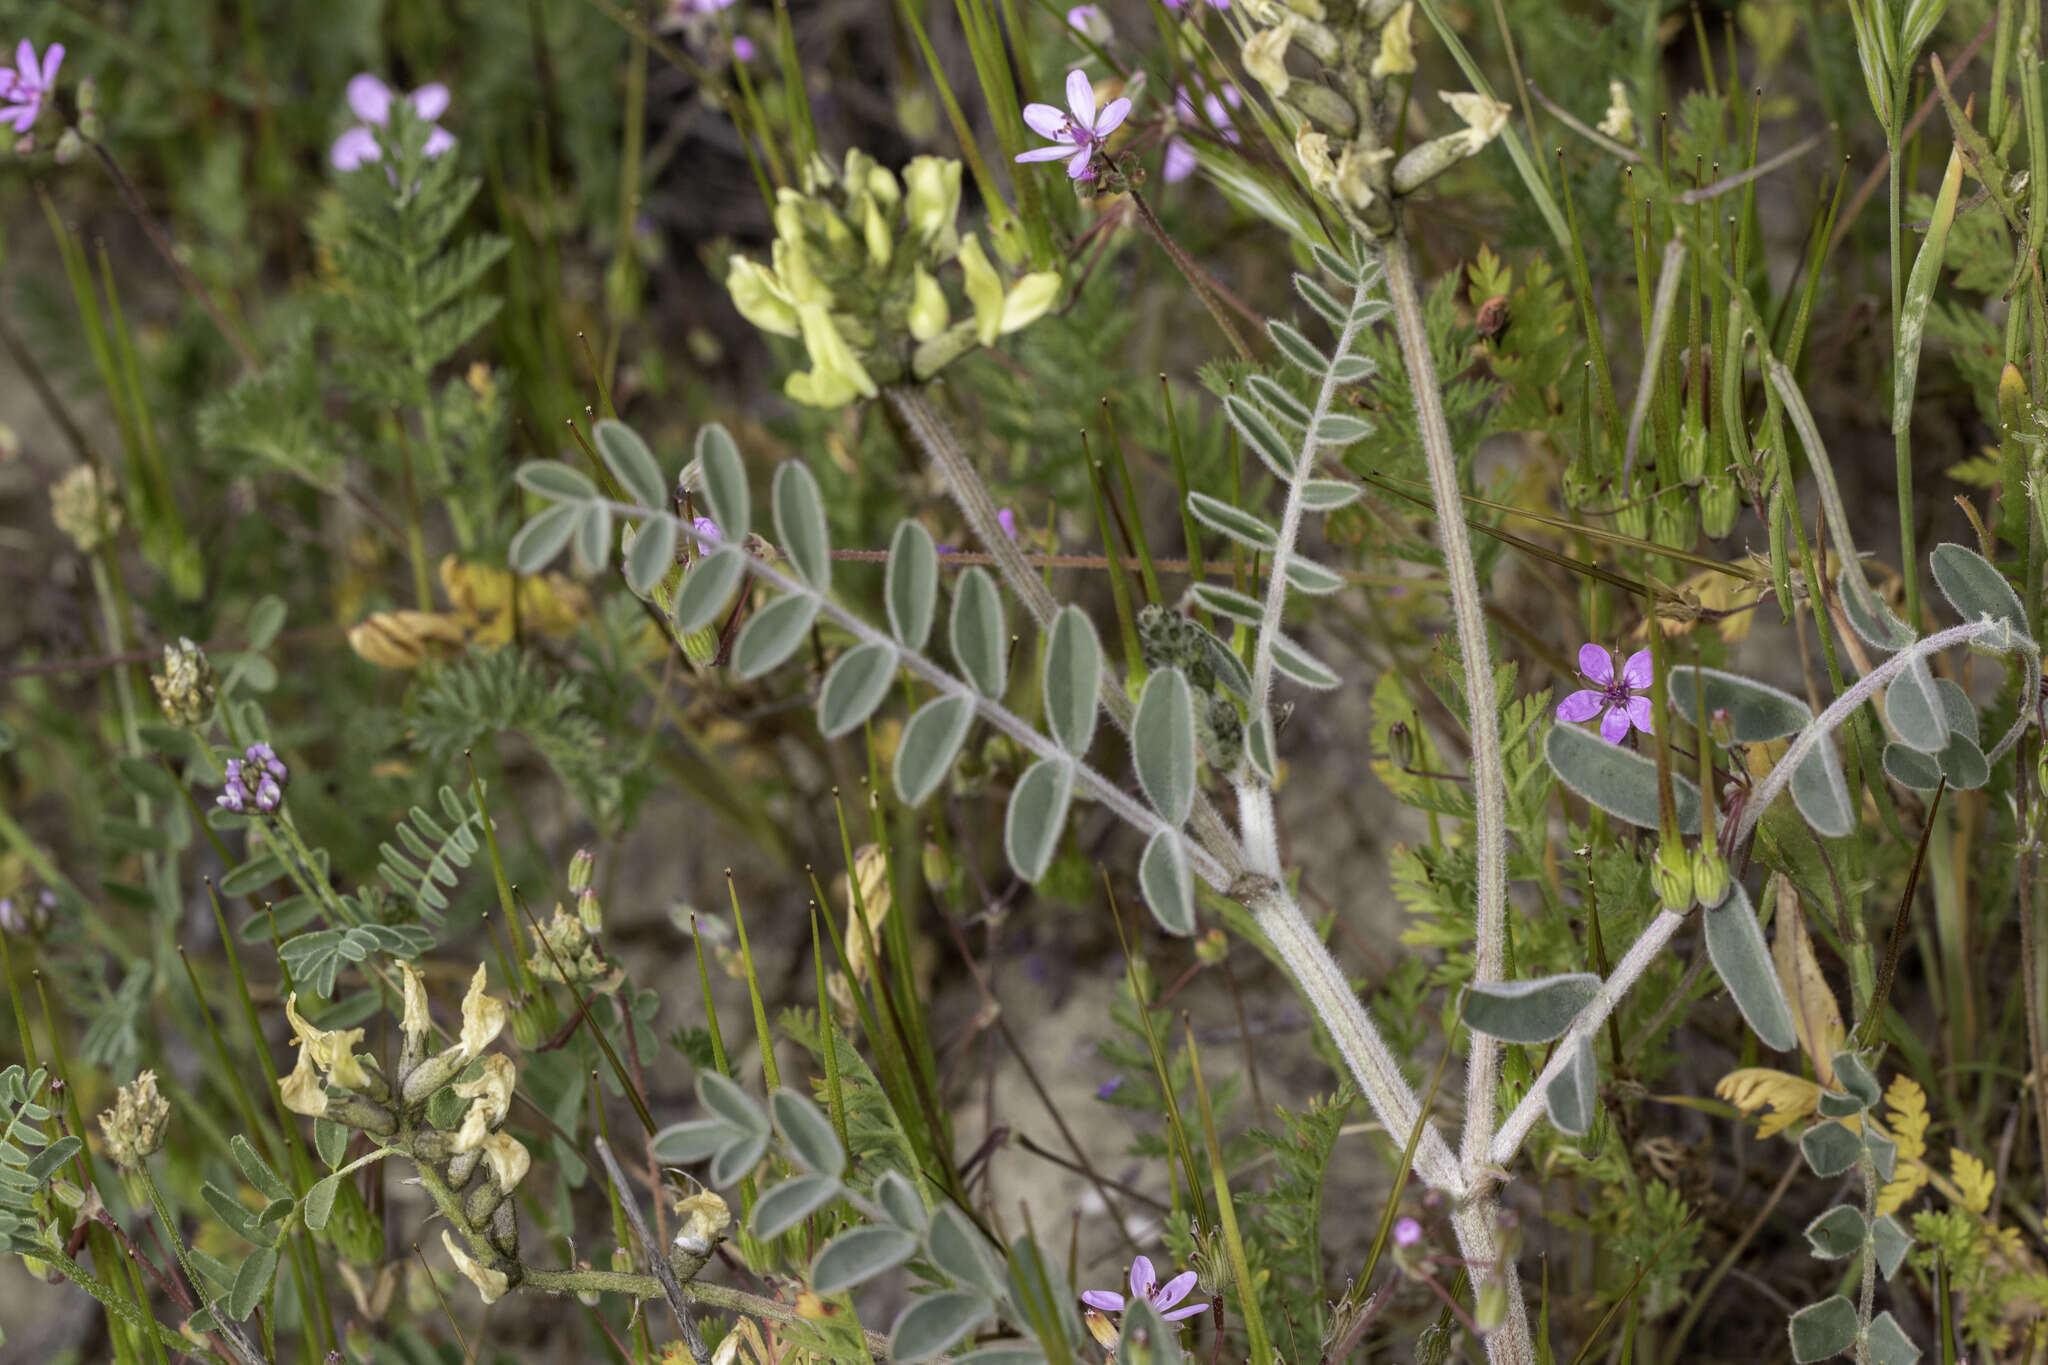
(1029, 299)
(928, 311)
(507, 1159)
(483, 1016)
(760, 299)
(1397, 45)
(303, 1091)
(491, 1284)
(984, 290)
(1265, 55)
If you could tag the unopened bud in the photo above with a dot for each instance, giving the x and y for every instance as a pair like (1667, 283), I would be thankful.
(70, 146)
(580, 864)
(134, 1127)
(1720, 505)
(184, 690)
(1710, 879)
(1671, 875)
(589, 911)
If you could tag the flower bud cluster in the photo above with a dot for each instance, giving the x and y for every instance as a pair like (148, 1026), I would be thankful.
(855, 271)
(134, 1127)
(255, 781)
(184, 690)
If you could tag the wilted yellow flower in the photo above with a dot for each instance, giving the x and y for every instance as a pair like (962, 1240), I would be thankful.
(508, 1160)
(303, 1090)
(417, 1022)
(405, 639)
(491, 1284)
(490, 1096)
(1484, 117)
(1397, 45)
(1312, 149)
(1619, 122)
(1354, 169)
(483, 1017)
(332, 1050)
(1265, 55)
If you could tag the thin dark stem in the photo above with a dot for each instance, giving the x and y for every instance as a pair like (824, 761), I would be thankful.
(1211, 293)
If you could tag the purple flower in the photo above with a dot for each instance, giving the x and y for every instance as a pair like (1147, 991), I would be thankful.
(1618, 701)
(23, 90)
(1180, 153)
(1407, 1232)
(1077, 134)
(257, 778)
(370, 100)
(1109, 1087)
(707, 532)
(1007, 519)
(1178, 5)
(1145, 1285)
(743, 48)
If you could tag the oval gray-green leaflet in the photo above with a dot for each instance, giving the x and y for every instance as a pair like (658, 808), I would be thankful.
(857, 684)
(1305, 575)
(319, 1202)
(898, 1198)
(1836, 1233)
(958, 1250)
(1574, 1092)
(652, 554)
(556, 481)
(1168, 887)
(1955, 705)
(1868, 615)
(1229, 602)
(1823, 1330)
(1617, 780)
(911, 584)
(1756, 712)
(1533, 1011)
(1914, 707)
(266, 619)
(1976, 589)
(1298, 348)
(1240, 526)
(934, 1322)
(808, 1132)
(686, 1144)
(631, 463)
(1258, 744)
(1305, 668)
(795, 1199)
(725, 483)
(1889, 1344)
(1736, 946)
(858, 1255)
(730, 1164)
(1262, 436)
(1822, 794)
(1963, 763)
(708, 586)
(981, 644)
(1072, 680)
(541, 539)
(1327, 495)
(1911, 768)
(252, 1281)
(1163, 744)
(1342, 429)
(592, 543)
(1038, 816)
(772, 634)
(931, 741)
(800, 523)
(724, 1097)
(1892, 1244)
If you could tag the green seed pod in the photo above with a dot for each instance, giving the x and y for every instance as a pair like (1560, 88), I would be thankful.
(1671, 875)
(1720, 504)
(1710, 879)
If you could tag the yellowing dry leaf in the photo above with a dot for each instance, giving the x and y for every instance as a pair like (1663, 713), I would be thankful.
(1751, 1088)
(1815, 1015)
(1907, 1104)
(1973, 1178)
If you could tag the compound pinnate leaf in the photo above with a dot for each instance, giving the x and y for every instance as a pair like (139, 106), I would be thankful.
(934, 1322)
(800, 523)
(1038, 816)
(631, 463)
(980, 637)
(1574, 1092)
(1836, 1233)
(1976, 589)
(857, 684)
(772, 634)
(1168, 887)
(911, 584)
(1072, 679)
(652, 555)
(1533, 1011)
(708, 586)
(542, 538)
(808, 1132)
(781, 1208)
(1163, 744)
(1618, 781)
(1830, 1148)
(1736, 946)
(1823, 1330)
(858, 1255)
(931, 741)
(725, 483)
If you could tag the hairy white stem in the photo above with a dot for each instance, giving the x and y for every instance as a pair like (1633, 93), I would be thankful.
(1845, 705)
(1489, 793)
(930, 434)
(1515, 1131)
(1131, 811)
(1322, 982)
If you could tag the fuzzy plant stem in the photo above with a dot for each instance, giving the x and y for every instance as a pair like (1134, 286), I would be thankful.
(1204, 287)
(928, 434)
(1474, 1221)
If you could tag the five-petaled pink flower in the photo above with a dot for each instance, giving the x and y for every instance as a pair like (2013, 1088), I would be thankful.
(370, 100)
(1077, 134)
(24, 88)
(1618, 701)
(1146, 1285)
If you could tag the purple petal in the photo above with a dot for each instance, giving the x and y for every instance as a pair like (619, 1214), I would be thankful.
(1113, 113)
(53, 57)
(356, 147)
(439, 143)
(369, 97)
(1007, 519)
(1081, 97)
(1107, 1300)
(1174, 1290)
(1640, 715)
(1054, 153)
(1046, 121)
(743, 48)
(1639, 670)
(25, 62)
(8, 76)
(22, 116)
(1596, 663)
(1190, 1311)
(1142, 1278)
(429, 101)
(1180, 160)
(1580, 706)
(1077, 169)
(1614, 725)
